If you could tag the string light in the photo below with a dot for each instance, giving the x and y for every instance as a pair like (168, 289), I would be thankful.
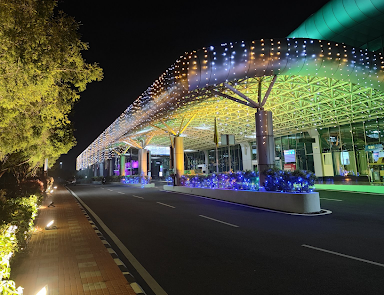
(233, 181)
(196, 70)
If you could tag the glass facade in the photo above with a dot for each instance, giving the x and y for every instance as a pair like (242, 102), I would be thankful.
(354, 149)
(196, 160)
(299, 142)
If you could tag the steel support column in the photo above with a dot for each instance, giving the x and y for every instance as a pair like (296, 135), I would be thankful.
(265, 143)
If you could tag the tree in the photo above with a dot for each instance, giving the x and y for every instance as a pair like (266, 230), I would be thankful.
(42, 73)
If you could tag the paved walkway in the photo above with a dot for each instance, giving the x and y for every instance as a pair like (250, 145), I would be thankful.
(377, 189)
(71, 259)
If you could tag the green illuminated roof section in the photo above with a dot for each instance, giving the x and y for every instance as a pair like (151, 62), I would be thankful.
(358, 23)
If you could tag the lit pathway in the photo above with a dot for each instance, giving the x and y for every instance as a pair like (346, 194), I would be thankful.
(70, 259)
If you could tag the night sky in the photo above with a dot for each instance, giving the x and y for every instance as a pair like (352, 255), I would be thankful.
(135, 43)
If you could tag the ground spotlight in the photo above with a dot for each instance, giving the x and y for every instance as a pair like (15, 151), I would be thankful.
(43, 291)
(50, 225)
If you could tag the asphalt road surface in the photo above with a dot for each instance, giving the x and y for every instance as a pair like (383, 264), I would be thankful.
(191, 245)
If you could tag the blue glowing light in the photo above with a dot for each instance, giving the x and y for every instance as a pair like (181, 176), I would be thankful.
(233, 181)
(137, 179)
(298, 181)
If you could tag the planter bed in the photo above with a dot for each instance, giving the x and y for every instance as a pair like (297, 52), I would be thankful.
(288, 202)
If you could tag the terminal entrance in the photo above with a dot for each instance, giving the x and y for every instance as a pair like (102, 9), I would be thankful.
(322, 115)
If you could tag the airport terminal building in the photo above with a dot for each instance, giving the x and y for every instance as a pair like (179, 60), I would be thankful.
(312, 101)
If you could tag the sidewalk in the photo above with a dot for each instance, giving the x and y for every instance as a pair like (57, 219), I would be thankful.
(70, 259)
(351, 188)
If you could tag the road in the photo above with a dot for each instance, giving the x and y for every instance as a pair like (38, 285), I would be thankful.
(191, 245)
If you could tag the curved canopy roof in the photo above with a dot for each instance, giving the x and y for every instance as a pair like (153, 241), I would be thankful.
(358, 23)
(318, 83)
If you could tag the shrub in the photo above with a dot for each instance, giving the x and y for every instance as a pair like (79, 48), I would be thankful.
(248, 180)
(114, 178)
(287, 181)
(20, 212)
(17, 216)
(137, 179)
(8, 245)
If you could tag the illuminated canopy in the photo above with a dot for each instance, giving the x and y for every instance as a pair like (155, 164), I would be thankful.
(318, 84)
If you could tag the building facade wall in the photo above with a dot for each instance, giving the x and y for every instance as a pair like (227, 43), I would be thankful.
(354, 149)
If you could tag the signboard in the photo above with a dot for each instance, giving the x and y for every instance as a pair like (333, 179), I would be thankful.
(158, 150)
(227, 139)
(373, 147)
(289, 156)
(307, 140)
(290, 167)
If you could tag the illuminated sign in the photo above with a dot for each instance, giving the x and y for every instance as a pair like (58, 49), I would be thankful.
(227, 139)
(373, 147)
(289, 156)
(158, 150)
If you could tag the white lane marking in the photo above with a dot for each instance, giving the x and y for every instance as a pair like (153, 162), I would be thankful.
(137, 197)
(118, 261)
(121, 193)
(156, 288)
(165, 205)
(136, 287)
(230, 224)
(344, 255)
(109, 190)
(337, 200)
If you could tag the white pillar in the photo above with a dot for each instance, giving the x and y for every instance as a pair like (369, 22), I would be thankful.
(206, 158)
(317, 159)
(101, 168)
(246, 152)
(179, 158)
(110, 167)
(149, 164)
(143, 164)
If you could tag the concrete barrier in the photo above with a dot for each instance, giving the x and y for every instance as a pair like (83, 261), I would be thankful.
(287, 202)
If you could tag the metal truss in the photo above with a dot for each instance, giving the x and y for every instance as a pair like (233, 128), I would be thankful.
(298, 103)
